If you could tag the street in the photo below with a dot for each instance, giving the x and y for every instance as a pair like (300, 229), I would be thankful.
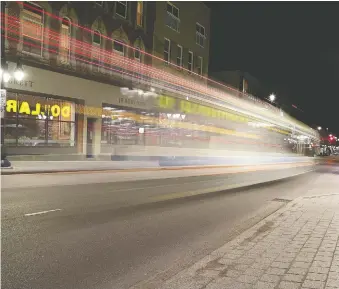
(117, 234)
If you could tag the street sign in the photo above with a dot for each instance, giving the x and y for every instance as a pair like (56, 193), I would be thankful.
(3, 102)
(3, 99)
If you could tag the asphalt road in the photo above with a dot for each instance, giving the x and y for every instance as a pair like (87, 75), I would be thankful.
(117, 234)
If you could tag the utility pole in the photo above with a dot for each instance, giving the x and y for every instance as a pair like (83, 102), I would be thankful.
(4, 161)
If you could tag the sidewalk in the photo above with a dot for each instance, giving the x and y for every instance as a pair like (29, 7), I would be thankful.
(296, 247)
(20, 167)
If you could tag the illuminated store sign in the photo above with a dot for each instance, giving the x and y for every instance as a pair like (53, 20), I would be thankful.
(23, 107)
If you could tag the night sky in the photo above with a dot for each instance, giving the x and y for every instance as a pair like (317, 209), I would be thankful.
(291, 47)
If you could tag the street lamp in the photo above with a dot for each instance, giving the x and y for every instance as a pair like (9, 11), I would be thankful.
(19, 72)
(319, 127)
(4, 73)
(272, 97)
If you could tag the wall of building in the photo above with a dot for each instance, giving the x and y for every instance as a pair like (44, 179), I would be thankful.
(90, 17)
(190, 13)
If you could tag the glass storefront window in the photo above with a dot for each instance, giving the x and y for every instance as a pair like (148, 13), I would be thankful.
(31, 132)
(61, 133)
(38, 121)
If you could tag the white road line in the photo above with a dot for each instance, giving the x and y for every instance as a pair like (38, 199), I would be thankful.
(42, 212)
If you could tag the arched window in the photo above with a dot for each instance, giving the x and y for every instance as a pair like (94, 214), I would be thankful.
(119, 47)
(32, 28)
(65, 40)
(96, 53)
(137, 54)
(97, 38)
(139, 47)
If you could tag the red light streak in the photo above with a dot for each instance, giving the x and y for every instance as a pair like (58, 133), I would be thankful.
(153, 56)
(85, 49)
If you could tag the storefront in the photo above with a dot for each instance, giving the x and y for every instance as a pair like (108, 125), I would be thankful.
(31, 120)
(38, 122)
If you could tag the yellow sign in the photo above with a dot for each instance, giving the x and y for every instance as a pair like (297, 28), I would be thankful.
(24, 108)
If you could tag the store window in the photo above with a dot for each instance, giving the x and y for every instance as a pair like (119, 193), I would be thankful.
(32, 28)
(38, 121)
(128, 126)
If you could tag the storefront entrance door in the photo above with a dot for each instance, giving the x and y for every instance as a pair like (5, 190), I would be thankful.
(90, 137)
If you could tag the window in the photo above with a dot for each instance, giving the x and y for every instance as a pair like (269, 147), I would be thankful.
(190, 61)
(167, 50)
(172, 17)
(32, 29)
(119, 47)
(137, 54)
(121, 8)
(96, 50)
(179, 56)
(200, 64)
(38, 121)
(200, 35)
(140, 13)
(65, 40)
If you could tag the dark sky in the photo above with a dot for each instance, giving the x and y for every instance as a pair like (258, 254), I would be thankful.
(291, 47)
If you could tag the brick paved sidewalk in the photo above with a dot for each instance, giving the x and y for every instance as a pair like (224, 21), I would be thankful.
(296, 247)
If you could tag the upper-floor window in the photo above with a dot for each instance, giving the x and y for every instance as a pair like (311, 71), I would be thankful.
(96, 54)
(99, 3)
(179, 56)
(200, 35)
(119, 47)
(140, 13)
(121, 8)
(190, 61)
(200, 65)
(65, 39)
(97, 38)
(137, 54)
(32, 28)
(172, 17)
(167, 50)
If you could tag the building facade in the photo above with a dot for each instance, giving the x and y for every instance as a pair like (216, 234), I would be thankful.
(66, 51)
(79, 96)
(181, 37)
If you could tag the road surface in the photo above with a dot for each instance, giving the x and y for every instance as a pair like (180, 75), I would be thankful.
(118, 234)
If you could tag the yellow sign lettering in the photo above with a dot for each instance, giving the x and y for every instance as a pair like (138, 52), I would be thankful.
(55, 110)
(24, 108)
(37, 109)
(66, 111)
(11, 105)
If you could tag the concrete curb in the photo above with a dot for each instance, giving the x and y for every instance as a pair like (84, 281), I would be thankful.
(51, 171)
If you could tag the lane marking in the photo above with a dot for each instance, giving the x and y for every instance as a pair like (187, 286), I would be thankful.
(42, 212)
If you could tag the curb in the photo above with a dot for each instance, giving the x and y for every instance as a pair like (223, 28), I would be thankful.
(256, 166)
